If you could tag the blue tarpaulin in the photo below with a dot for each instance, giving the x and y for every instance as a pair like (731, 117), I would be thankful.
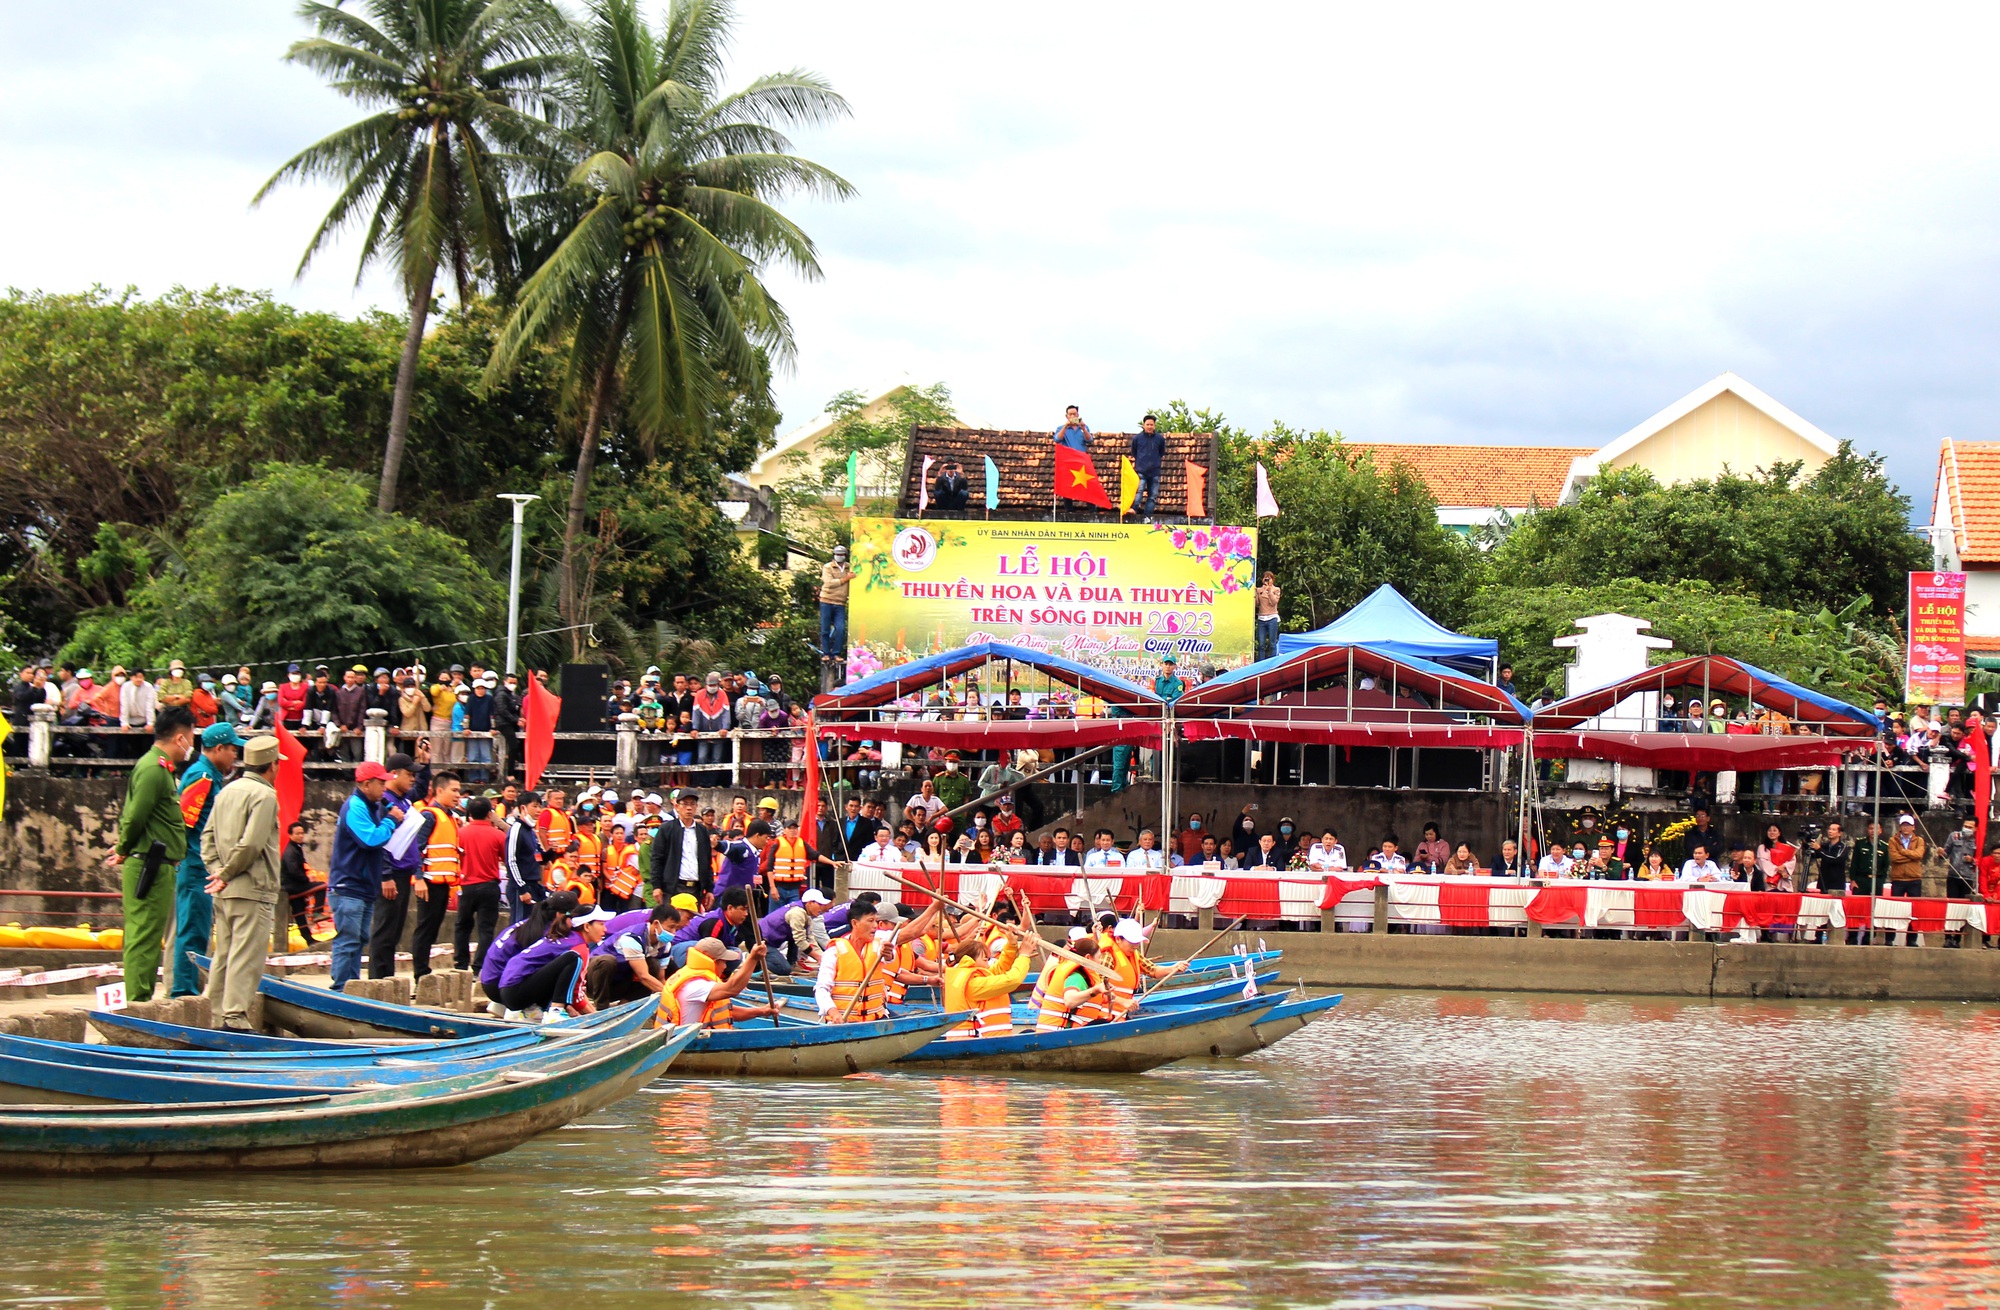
(1389, 623)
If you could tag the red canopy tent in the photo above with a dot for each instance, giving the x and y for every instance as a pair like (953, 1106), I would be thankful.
(1823, 730)
(1318, 696)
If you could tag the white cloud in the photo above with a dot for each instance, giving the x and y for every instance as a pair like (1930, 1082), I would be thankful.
(1464, 223)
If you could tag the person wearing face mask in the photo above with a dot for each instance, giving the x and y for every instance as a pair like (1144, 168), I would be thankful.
(1243, 833)
(1621, 835)
(1187, 842)
(1287, 843)
(292, 698)
(1961, 858)
(952, 786)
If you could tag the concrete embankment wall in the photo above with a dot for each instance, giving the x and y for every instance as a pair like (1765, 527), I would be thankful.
(1647, 968)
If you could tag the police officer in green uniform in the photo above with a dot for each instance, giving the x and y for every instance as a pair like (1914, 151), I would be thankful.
(1869, 869)
(152, 813)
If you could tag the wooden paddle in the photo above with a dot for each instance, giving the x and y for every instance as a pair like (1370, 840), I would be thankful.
(1088, 965)
(1192, 956)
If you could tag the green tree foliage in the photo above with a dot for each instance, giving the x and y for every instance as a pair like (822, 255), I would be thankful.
(296, 563)
(1824, 650)
(115, 409)
(450, 86)
(1792, 541)
(656, 285)
(814, 485)
(1345, 526)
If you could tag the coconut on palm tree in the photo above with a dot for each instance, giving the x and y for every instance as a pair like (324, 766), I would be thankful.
(454, 86)
(654, 286)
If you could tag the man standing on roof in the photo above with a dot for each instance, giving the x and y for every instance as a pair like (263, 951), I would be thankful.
(1073, 433)
(1267, 615)
(1149, 448)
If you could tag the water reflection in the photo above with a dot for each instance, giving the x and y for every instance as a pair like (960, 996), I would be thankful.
(1415, 1149)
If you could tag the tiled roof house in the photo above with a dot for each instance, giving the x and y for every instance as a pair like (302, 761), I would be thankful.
(1965, 533)
(1026, 464)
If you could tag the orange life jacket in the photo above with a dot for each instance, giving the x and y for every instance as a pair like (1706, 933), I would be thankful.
(441, 850)
(1051, 1015)
(1126, 965)
(589, 850)
(789, 863)
(991, 1017)
(855, 974)
(894, 988)
(715, 1014)
(556, 830)
(621, 870)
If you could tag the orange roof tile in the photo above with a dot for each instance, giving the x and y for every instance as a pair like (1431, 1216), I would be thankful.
(1496, 476)
(1969, 474)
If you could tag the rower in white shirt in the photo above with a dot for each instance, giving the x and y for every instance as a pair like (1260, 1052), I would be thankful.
(1104, 855)
(1327, 855)
(883, 850)
(1700, 868)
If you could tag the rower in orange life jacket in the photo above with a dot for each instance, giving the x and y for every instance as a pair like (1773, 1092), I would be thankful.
(585, 863)
(1067, 996)
(851, 986)
(984, 989)
(1121, 945)
(698, 993)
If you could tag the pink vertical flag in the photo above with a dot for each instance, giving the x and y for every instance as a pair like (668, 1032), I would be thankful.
(1267, 504)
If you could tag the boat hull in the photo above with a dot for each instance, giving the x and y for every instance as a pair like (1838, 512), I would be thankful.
(1287, 1018)
(1129, 1046)
(414, 1134)
(809, 1051)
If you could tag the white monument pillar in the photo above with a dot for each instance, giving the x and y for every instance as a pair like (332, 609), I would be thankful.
(1610, 648)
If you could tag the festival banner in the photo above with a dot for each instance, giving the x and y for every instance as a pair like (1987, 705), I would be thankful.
(1114, 596)
(1936, 666)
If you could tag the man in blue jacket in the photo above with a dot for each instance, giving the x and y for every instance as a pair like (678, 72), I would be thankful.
(354, 874)
(1073, 433)
(1148, 449)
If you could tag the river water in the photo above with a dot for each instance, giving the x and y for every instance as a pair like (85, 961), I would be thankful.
(1413, 1149)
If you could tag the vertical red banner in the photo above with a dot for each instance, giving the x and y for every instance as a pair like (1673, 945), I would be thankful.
(1936, 665)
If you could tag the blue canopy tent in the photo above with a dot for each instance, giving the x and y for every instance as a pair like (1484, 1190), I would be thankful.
(1387, 622)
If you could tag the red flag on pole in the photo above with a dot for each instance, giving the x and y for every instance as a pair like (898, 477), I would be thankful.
(1076, 478)
(290, 781)
(542, 709)
(809, 812)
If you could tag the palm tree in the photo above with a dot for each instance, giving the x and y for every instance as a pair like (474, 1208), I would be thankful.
(453, 85)
(653, 285)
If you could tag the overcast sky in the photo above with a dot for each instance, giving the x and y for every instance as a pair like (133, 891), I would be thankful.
(1404, 222)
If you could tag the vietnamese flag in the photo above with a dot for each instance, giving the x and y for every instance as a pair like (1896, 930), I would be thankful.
(541, 709)
(289, 779)
(1076, 478)
(1982, 783)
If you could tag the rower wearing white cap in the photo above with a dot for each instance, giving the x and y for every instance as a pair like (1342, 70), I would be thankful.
(809, 936)
(1123, 948)
(698, 993)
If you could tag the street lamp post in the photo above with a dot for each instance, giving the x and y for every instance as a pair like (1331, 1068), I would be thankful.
(520, 499)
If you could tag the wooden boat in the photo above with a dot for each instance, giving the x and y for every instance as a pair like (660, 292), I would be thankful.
(1284, 1019)
(321, 1012)
(807, 1048)
(403, 1128)
(33, 1071)
(182, 1042)
(1133, 1045)
(1024, 1012)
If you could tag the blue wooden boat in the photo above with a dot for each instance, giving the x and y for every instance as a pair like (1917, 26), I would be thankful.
(338, 1068)
(448, 1123)
(1024, 1012)
(40, 1072)
(324, 1013)
(1146, 1041)
(1284, 1019)
(183, 1042)
(806, 1048)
